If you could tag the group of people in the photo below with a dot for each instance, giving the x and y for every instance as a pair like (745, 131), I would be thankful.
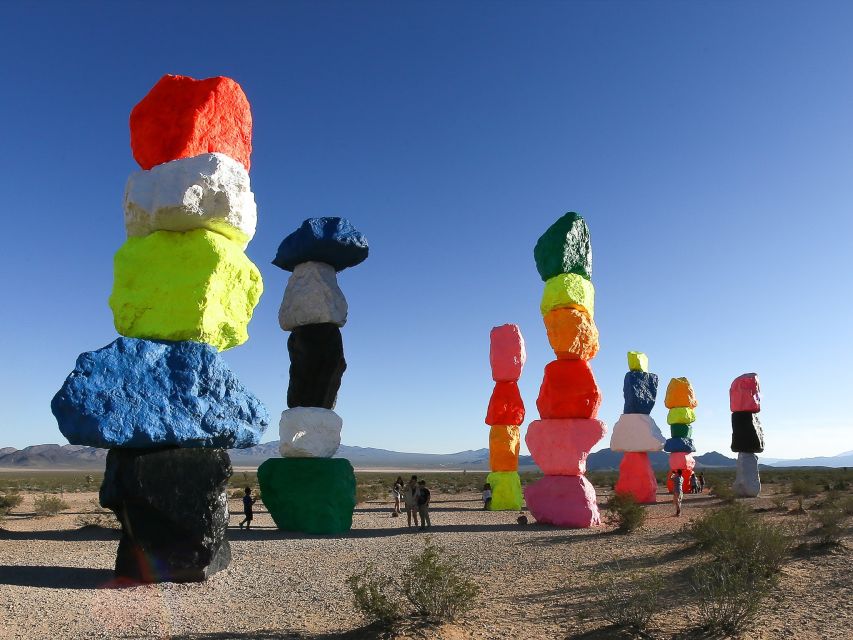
(697, 485)
(415, 497)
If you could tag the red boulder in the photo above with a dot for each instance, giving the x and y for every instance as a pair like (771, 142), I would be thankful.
(568, 391)
(505, 405)
(637, 478)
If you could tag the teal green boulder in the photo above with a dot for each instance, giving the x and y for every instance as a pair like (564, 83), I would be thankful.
(506, 490)
(681, 430)
(310, 495)
(564, 248)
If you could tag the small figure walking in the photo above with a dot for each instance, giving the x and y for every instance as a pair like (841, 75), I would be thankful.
(398, 495)
(701, 482)
(677, 490)
(248, 502)
(423, 504)
(410, 500)
(487, 496)
(694, 484)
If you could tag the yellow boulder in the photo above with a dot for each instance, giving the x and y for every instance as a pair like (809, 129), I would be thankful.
(568, 290)
(638, 361)
(506, 490)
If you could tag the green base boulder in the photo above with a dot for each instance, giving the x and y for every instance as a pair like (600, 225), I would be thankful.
(564, 248)
(310, 495)
(506, 490)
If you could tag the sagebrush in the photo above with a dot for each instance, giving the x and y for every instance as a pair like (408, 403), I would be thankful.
(624, 512)
(49, 505)
(374, 596)
(435, 585)
(629, 602)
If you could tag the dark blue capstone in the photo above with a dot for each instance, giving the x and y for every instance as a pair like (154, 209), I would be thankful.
(146, 393)
(640, 390)
(331, 240)
(679, 445)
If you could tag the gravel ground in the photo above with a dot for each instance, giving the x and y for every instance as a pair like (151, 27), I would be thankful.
(55, 578)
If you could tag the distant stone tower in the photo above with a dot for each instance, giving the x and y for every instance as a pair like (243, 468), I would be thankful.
(747, 436)
(681, 402)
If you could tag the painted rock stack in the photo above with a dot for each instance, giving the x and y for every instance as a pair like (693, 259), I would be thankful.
(636, 433)
(307, 490)
(747, 436)
(505, 416)
(161, 398)
(569, 397)
(681, 402)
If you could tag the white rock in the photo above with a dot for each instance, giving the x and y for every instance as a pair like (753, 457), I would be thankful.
(636, 432)
(209, 191)
(747, 481)
(309, 432)
(312, 296)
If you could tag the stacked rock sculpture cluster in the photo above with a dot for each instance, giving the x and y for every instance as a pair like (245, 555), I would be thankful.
(681, 402)
(636, 433)
(505, 416)
(307, 489)
(569, 397)
(161, 398)
(747, 436)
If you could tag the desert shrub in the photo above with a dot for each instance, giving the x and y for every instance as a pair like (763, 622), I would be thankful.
(373, 597)
(846, 505)
(724, 492)
(830, 520)
(629, 603)
(624, 512)
(730, 594)
(9, 502)
(435, 585)
(97, 517)
(49, 505)
(803, 487)
(780, 502)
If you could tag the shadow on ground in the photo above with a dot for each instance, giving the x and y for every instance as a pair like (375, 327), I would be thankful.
(83, 534)
(56, 577)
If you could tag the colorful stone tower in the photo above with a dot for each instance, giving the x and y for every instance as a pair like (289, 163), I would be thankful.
(636, 433)
(747, 436)
(569, 397)
(307, 489)
(681, 402)
(161, 399)
(505, 416)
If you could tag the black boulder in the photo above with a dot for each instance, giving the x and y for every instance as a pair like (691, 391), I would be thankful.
(316, 365)
(747, 436)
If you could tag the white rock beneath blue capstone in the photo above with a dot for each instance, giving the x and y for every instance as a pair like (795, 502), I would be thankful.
(636, 432)
(747, 480)
(309, 432)
(312, 296)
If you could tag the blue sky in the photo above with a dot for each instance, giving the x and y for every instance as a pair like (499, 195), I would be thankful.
(709, 146)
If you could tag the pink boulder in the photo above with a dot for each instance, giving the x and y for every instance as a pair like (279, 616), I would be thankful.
(637, 478)
(745, 393)
(564, 501)
(681, 461)
(560, 446)
(507, 353)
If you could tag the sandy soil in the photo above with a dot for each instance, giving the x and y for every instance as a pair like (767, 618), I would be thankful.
(55, 578)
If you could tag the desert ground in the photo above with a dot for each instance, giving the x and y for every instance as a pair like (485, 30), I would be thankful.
(536, 581)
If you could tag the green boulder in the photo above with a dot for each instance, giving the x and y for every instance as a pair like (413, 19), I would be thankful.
(681, 430)
(310, 495)
(681, 415)
(506, 490)
(564, 248)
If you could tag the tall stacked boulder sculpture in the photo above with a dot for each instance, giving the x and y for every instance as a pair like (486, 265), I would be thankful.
(505, 416)
(161, 398)
(636, 433)
(307, 490)
(569, 398)
(681, 402)
(747, 436)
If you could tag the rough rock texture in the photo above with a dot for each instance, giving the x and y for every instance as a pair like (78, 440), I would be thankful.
(681, 431)
(183, 117)
(637, 478)
(317, 365)
(747, 480)
(640, 390)
(681, 460)
(636, 432)
(311, 495)
(745, 393)
(747, 436)
(679, 393)
(560, 447)
(505, 405)
(173, 509)
(309, 432)
(331, 240)
(506, 490)
(638, 361)
(564, 501)
(564, 248)
(568, 390)
(568, 290)
(194, 285)
(504, 443)
(681, 415)
(506, 353)
(140, 393)
(312, 296)
(679, 445)
(572, 334)
(210, 191)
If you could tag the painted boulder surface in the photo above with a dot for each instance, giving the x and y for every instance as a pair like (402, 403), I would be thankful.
(564, 248)
(182, 117)
(142, 394)
(636, 432)
(317, 365)
(507, 354)
(210, 191)
(747, 479)
(681, 430)
(568, 390)
(568, 290)
(195, 285)
(505, 405)
(571, 333)
(561, 447)
(504, 444)
(679, 445)
(333, 241)
(506, 490)
(745, 393)
(563, 501)
(681, 415)
(310, 495)
(638, 361)
(169, 534)
(679, 393)
(312, 296)
(309, 432)
(637, 478)
(682, 460)
(747, 436)
(640, 390)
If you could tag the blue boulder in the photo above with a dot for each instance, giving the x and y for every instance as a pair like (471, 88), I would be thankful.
(145, 393)
(331, 240)
(640, 390)
(679, 445)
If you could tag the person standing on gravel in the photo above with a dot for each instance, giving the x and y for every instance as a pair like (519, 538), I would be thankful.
(248, 503)
(423, 504)
(410, 499)
(677, 490)
(487, 496)
(398, 494)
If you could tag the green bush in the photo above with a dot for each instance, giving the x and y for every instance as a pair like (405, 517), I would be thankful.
(9, 502)
(49, 505)
(724, 492)
(830, 520)
(624, 512)
(730, 594)
(435, 585)
(803, 487)
(629, 603)
(372, 597)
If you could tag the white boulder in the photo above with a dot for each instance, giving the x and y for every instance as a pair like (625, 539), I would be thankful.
(747, 481)
(312, 296)
(210, 191)
(309, 432)
(636, 432)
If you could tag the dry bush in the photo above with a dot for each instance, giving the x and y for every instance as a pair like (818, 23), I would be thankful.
(629, 602)
(830, 520)
(374, 598)
(730, 594)
(435, 585)
(724, 492)
(49, 505)
(624, 512)
(98, 517)
(9, 502)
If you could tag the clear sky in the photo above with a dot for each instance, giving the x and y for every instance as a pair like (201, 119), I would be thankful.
(708, 145)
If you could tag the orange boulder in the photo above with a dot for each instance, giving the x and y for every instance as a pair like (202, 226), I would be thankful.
(572, 334)
(679, 393)
(504, 442)
(505, 405)
(568, 391)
